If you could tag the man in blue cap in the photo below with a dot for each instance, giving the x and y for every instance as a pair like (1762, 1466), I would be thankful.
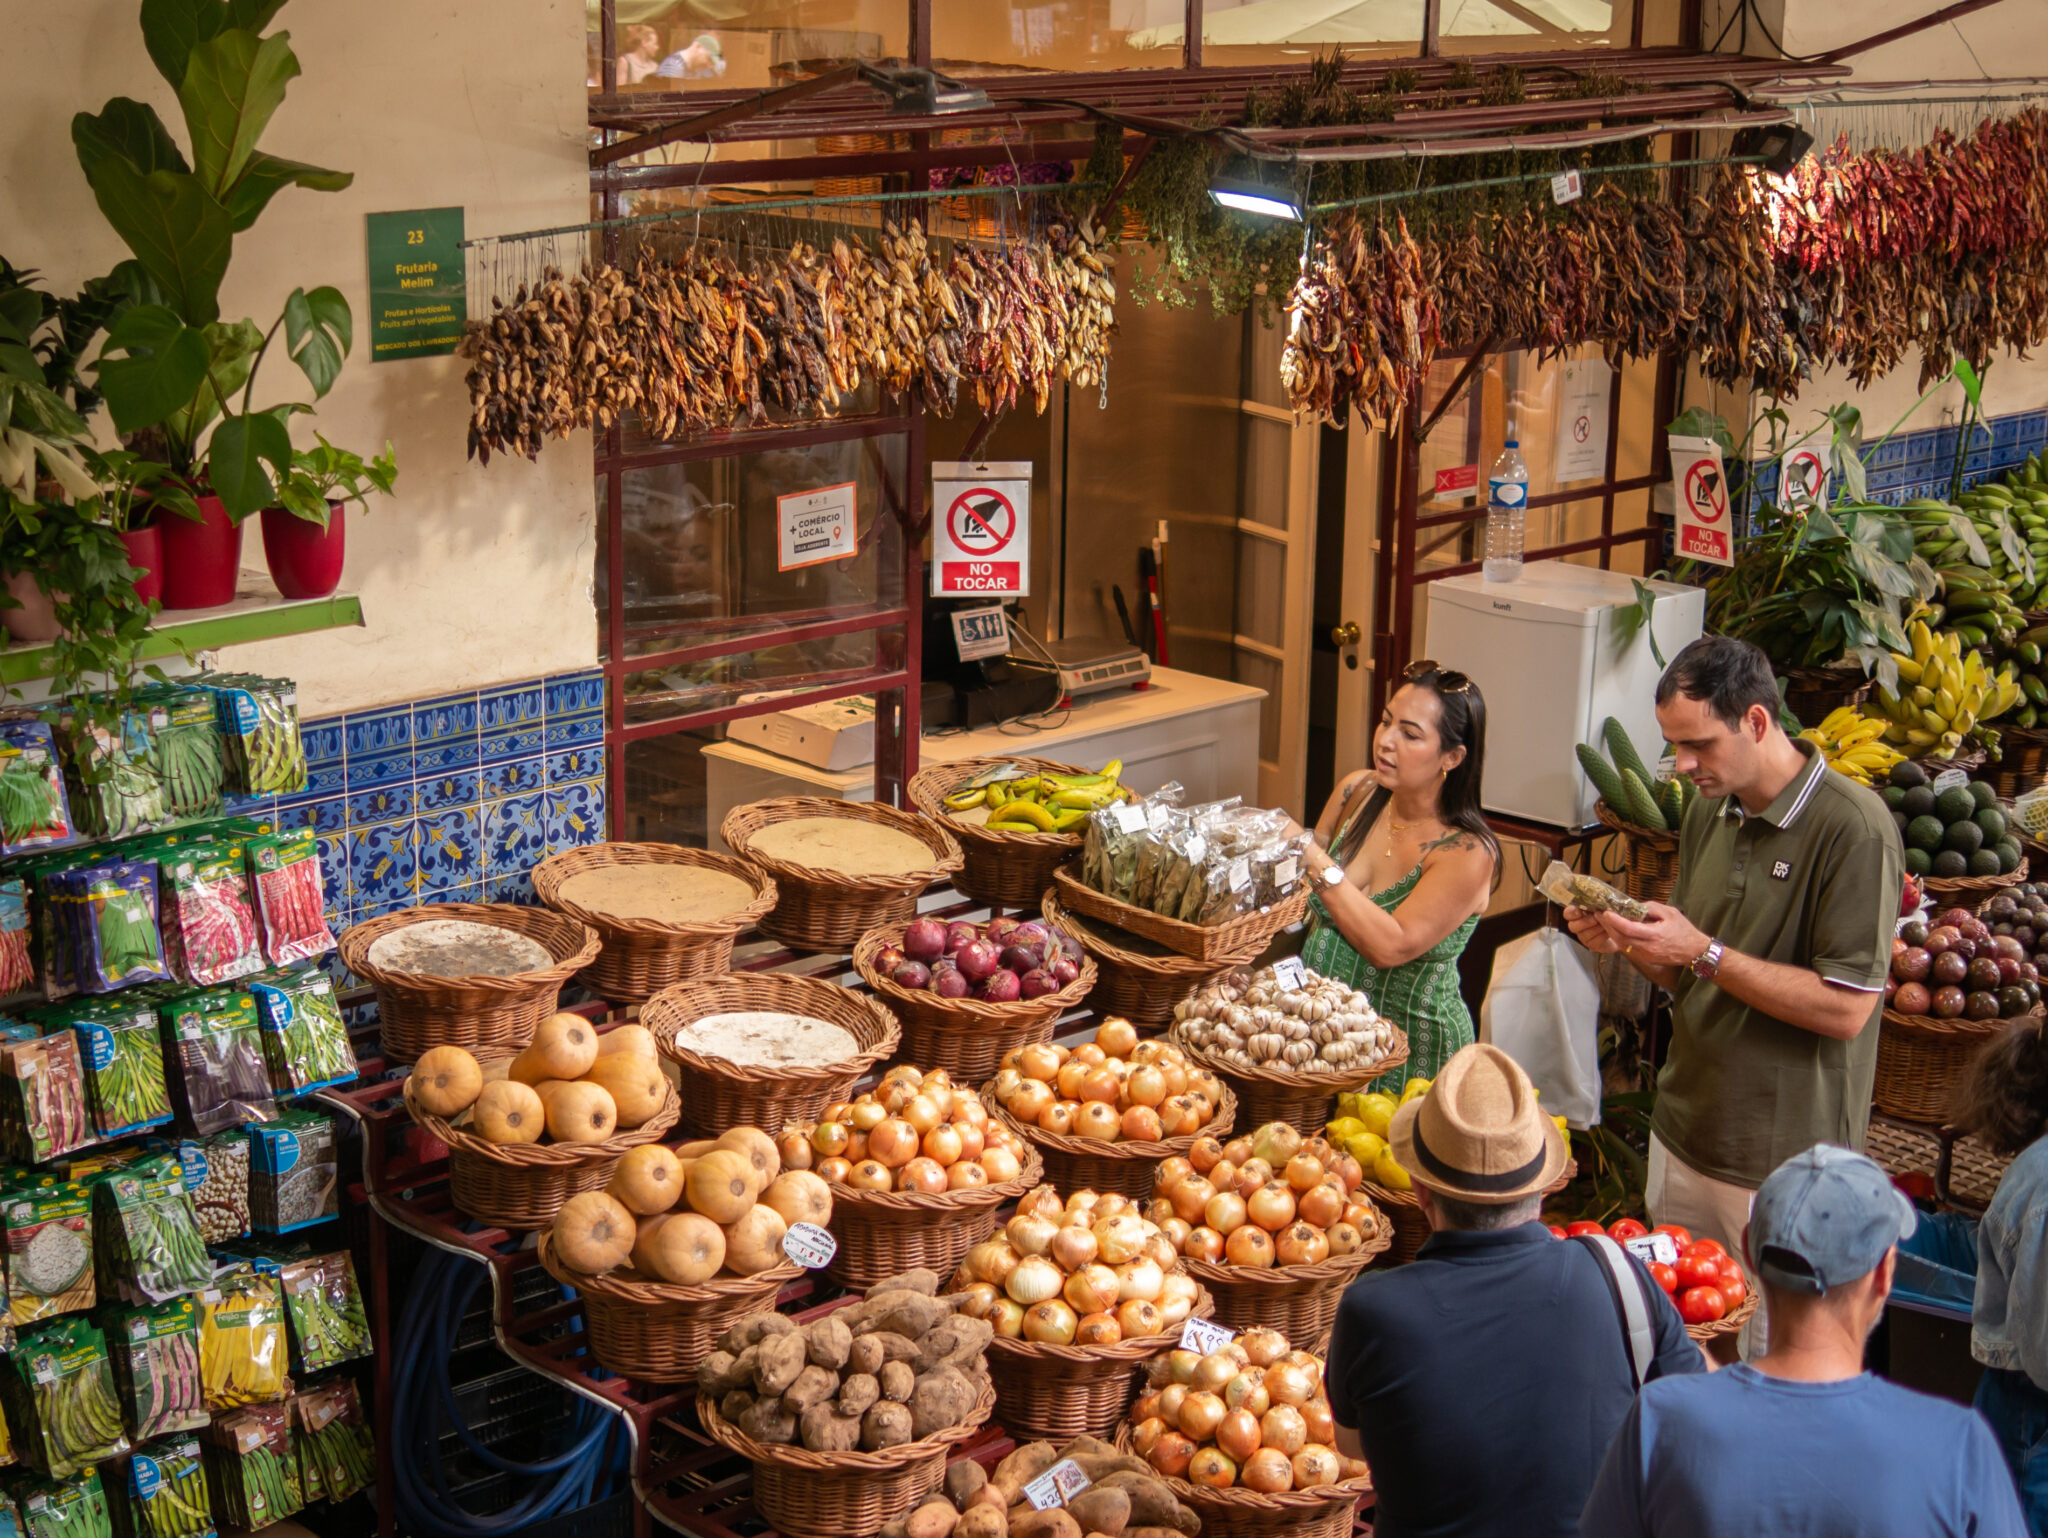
(1803, 1441)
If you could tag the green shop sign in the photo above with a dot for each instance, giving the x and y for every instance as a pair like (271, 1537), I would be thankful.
(417, 297)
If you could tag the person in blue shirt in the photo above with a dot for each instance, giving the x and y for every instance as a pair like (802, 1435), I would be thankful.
(2004, 1101)
(1802, 1443)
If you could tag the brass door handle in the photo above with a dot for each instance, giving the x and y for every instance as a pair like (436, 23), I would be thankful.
(1346, 634)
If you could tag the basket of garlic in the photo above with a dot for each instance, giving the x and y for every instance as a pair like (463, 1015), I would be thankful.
(1287, 1041)
(1082, 1294)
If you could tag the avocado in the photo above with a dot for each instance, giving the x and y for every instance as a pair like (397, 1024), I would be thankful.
(1924, 833)
(1906, 774)
(2009, 855)
(1899, 821)
(1955, 805)
(1985, 862)
(1919, 862)
(1918, 801)
(1893, 795)
(1985, 795)
(1963, 837)
(1949, 866)
(1992, 821)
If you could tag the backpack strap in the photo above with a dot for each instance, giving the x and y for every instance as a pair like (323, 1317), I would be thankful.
(1626, 1286)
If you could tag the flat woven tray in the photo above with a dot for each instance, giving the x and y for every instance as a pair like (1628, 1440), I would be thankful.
(1246, 934)
(1001, 866)
(829, 910)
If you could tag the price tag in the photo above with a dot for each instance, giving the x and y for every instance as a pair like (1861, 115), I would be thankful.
(1056, 1486)
(211, 1297)
(1197, 847)
(1653, 1249)
(138, 1329)
(809, 1245)
(1204, 1336)
(1285, 872)
(1128, 816)
(1951, 779)
(1565, 187)
(1240, 874)
(1291, 975)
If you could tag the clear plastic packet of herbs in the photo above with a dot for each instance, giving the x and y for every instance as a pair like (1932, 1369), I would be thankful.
(1277, 868)
(155, 1356)
(1571, 889)
(220, 1078)
(1118, 834)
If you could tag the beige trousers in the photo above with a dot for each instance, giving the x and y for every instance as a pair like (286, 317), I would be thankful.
(1675, 1192)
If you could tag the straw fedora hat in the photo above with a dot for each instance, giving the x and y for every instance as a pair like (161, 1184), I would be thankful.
(1478, 1135)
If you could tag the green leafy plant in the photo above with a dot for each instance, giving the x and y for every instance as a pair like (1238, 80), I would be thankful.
(327, 475)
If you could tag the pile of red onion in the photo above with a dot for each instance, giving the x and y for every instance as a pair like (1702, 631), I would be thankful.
(999, 962)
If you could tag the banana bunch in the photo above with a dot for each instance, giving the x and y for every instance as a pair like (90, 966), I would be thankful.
(1852, 743)
(1982, 550)
(2020, 505)
(1946, 694)
(1043, 803)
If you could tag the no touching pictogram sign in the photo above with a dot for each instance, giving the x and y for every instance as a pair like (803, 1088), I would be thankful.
(981, 538)
(1802, 480)
(1702, 485)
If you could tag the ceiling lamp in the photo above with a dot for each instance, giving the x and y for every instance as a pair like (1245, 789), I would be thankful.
(1250, 196)
(1783, 145)
(917, 92)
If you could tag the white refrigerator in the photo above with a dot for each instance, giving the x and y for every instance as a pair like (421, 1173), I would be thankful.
(1553, 660)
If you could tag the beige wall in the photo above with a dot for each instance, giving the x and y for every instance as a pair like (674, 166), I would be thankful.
(467, 576)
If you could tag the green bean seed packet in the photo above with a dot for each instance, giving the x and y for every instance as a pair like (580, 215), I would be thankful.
(148, 1231)
(337, 1453)
(63, 1508)
(155, 1355)
(166, 1491)
(61, 1399)
(124, 1065)
(251, 1466)
(305, 1040)
(325, 1305)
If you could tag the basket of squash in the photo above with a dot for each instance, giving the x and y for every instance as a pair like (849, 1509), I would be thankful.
(917, 1169)
(528, 1134)
(678, 1245)
(1082, 1293)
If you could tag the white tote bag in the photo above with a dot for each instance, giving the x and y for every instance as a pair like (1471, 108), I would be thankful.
(1543, 1010)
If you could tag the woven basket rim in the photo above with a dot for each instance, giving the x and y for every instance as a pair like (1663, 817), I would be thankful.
(1094, 1148)
(1661, 840)
(740, 824)
(1956, 1028)
(548, 1156)
(1231, 938)
(971, 1013)
(1139, 1348)
(1377, 1243)
(1176, 966)
(654, 1012)
(1386, 1198)
(544, 925)
(634, 1288)
(550, 875)
(1727, 1324)
(1031, 1172)
(929, 786)
(1235, 1498)
(1969, 758)
(1943, 886)
(889, 1460)
(2029, 734)
(1348, 1079)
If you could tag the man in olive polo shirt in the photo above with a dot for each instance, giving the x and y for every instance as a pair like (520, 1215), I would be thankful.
(1774, 946)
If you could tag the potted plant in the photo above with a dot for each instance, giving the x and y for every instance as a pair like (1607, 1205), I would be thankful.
(42, 444)
(304, 536)
(172, 367)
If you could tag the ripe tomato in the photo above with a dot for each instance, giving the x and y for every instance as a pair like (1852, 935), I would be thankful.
(1702, 1305)
(1666, 1278)
(1556, 1232)
(1625, 1228)
(1697, 1270)
(1709, 1247)
(1733, 1288)
(1573, 1230)
(1684, 1238)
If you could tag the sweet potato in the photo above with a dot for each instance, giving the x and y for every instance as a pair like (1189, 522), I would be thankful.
(720, 1373)
(964, 1479)
(934, 1519)
(1099, 1466)
(824, 1430)
(1054, 1523)
(1021, 1467)
(898, 1311)
(814, 1385)
(755, 1327)
(939, 1400)
(1101, 1510)
(736, 1403)
(885, 1425)
(856, 1392)
(897, 1379)
(917, 1279)
(1082, 1445)
(827, 1342)
(979, 1521)
(768, 1421)
(1155, 1532)
(953, 1342)
(991, 1496)
(1153, 1505)
(781, 1358)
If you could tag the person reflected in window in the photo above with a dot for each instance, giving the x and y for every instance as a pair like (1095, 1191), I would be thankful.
(703, 58)
(639, 53)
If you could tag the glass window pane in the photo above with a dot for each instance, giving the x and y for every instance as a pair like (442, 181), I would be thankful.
(686, 45)
(1511, 26)
(972, 37)
(664, 790)
(660, 694)
(1241, 32)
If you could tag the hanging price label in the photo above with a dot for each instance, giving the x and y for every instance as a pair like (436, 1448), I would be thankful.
(809, 1246)
(1565, 187)
(1290, 974)
(1204, 1336)
(1653, 1249)
(1951, 779)
(1056, 1486)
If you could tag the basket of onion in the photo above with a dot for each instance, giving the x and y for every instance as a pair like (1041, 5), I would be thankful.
(1103, 1113)
(1246, 1437)
(1082, 1293)
(967, 993)
(1275, 1225)
(917, 1168)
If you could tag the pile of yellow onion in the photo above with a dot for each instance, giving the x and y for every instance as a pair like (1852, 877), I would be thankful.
(1253, 1414)
(914, 1131)
(1272, 1198)
(1114, 1088)
(1090, 1271)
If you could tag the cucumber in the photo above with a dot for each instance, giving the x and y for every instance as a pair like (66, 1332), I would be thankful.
(1642, 805)
(1624, 753)
(1604, 779)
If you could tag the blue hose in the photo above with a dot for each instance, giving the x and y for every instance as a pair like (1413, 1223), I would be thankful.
(441, 1292)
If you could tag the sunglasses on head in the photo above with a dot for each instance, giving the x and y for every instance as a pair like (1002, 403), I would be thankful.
(1447, 681)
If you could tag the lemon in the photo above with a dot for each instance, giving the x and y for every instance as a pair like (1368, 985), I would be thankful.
(1376, 1111)
(1413, 1088)
(1561, 1127)
(1343, 1127)
(1364, 1147)
(1389, 1174)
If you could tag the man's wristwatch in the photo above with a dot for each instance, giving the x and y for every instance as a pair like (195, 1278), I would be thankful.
(1707, 962)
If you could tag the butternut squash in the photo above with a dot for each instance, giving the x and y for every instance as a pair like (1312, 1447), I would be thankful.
(648, 1180)
(798, 1196)
(508, 1112)
(721, 1186)
(593, 1233)
(686, 1249)
(447, 1080)
(634, 1040)
(759, 1150)
(563, 1048)
(636, 1085)
(581, 1112)
(754, 1243)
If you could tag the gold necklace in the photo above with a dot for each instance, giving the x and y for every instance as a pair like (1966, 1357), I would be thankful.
(1394, 827)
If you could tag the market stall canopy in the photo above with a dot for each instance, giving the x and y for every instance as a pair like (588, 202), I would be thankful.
(1271, 23)
(705, 12)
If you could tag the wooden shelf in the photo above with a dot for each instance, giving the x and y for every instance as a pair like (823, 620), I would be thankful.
(253, 616)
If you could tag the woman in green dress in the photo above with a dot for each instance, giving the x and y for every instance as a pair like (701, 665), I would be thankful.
(1410, 867)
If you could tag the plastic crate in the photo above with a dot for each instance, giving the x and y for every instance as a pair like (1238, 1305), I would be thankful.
(611, 1517)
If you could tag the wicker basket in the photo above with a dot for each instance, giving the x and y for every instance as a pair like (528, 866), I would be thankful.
(1089, 1164)
(1812, 694)
(1650, 857)
(657, 1332)
(885, 1233)
(1298, 1301)
(1141, 987)
(824, 910)
(643, 956)
(966, 1037)
(2022, 763)
(489, 1016)
(1003, 868)
(724, 1094)
(1972, 888)
(1921, 1060)
(802, 1494)
(1328, 1511)
(1051, 1393)
(1275, 1094)
(1727, 1324)
(1970, 760)
(523, 1185)
(1241, 937)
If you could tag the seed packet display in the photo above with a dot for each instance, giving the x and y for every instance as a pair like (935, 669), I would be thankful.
(146, 1232)
(221, 1079)
(329, 1325)
(123, 1060)
(35, 812)
(259, 724)
(217, 1176)
(337, 1454)
(17, 964)
(305, 1040)
(155, 1356)
(190, 760)
(242, 1346)
(294, 1173)
(43, 1104)
(165, 1495)
(64, 1508)
(121, 944)
(61, 1400)
(208, 914)
(49, 1251)
(251, 1468)
(115, 789)
(290, 901)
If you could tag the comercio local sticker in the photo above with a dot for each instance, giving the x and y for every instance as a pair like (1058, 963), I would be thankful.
(981, 528)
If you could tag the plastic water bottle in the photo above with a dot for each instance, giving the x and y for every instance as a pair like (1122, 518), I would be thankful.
(1507, 500)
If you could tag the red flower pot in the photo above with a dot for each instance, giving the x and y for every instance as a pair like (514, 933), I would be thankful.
(146, 555)
(202, 557)
(304, 559)
(34, 621)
